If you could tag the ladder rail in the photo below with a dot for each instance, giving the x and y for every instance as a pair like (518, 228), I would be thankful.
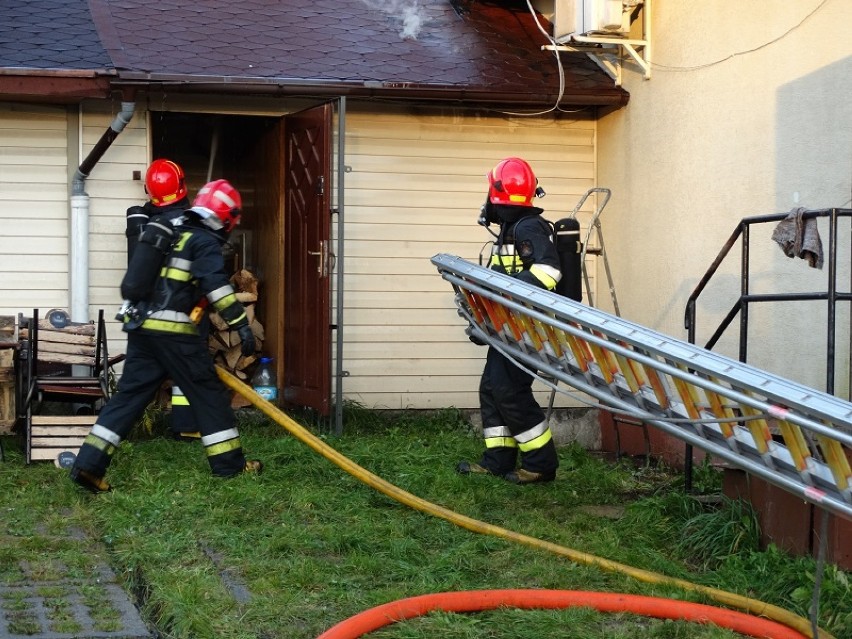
(781, 390)
(725, 407)
(707, 366)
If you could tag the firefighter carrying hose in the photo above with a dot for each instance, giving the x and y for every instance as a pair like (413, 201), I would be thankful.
(512, 420)
(163, 342)
(165, 184)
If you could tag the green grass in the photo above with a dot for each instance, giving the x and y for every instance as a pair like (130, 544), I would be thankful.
(303, 546)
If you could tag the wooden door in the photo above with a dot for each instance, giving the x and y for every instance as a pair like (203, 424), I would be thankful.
(265, 217)
(308, 261)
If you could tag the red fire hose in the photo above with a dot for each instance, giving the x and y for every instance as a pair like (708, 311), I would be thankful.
(478, 600)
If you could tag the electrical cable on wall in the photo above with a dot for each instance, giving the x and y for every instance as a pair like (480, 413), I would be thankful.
(561, 71)
(696, 67)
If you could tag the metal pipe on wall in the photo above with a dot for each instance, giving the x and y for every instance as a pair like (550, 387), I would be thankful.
(78, 251)
(340, 373)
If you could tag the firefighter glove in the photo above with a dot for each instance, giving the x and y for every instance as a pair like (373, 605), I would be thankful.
(473, 337)
(247, 338)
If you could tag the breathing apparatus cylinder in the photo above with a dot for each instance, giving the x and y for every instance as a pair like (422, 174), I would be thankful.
(155, 243)
(569, 248)
(137, 218)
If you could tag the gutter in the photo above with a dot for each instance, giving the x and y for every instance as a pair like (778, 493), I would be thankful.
(612, 97)
(79, 233)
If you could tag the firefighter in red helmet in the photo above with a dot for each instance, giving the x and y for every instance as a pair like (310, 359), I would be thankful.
(165, 182)
(163, 342)
(512, 420)
(165, 185)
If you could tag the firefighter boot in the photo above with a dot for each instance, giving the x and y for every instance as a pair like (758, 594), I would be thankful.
(253, 466)
(89, 481)
(470, 468)
(522, 476)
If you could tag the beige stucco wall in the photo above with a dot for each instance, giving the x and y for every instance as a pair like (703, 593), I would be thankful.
(747, 112)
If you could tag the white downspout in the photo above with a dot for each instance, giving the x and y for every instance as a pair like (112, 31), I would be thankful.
(79, 232)
(79, 258)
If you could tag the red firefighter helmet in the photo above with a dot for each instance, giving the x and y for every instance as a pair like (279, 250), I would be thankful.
(512, 182)
(165, 182)
(218, 204)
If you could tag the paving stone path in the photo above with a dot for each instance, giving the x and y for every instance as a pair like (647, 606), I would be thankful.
(47, 600)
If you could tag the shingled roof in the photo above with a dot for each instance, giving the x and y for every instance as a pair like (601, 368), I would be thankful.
(51, 49)
(448, 50)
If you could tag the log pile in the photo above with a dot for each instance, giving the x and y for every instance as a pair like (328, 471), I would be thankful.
(224, 343)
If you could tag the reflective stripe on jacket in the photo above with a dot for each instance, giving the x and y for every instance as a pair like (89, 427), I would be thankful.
(194, 269)
(528, 253)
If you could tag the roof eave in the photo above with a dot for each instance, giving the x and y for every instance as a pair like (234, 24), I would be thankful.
(54, 85)
(366, 89)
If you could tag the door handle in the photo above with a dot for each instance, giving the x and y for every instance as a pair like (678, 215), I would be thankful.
(322, 266)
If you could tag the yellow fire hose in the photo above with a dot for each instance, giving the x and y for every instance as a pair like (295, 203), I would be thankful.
(752, 606)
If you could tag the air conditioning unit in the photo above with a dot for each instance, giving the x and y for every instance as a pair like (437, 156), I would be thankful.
(603, 30)
(591, 17)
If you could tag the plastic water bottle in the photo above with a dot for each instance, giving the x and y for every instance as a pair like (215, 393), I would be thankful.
(264, 380)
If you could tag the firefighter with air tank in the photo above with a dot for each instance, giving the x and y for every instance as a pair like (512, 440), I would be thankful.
(165, 185)
(512, 420)
(174, 266)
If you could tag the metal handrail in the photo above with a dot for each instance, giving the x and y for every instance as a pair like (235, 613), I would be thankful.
(740, 307)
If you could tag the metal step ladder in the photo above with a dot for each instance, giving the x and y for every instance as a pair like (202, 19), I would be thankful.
(598, 249)
(792, 436)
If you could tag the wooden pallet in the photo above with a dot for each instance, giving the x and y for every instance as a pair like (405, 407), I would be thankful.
(51, 435)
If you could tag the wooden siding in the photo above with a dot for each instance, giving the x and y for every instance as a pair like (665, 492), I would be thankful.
(33, 207)
(416, 183)
(112, 190)
(36, 165)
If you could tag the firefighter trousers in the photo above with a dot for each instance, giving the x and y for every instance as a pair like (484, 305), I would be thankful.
(152, 358)
(182, 422)
(512, 420)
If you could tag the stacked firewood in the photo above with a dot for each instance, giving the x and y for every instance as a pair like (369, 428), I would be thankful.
(225, 344)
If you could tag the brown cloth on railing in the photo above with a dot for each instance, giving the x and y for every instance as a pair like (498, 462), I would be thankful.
(800, 238)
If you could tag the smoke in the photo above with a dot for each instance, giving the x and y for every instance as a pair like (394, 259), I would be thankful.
(409, 12)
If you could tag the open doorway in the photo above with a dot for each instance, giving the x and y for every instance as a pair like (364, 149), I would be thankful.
(280, 166)
(209, 147)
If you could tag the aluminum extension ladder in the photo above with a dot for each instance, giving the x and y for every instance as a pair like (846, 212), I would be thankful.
(792, 436)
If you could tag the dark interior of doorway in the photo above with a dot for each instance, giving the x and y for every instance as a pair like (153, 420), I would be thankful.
(210, 147)
(213, 146)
